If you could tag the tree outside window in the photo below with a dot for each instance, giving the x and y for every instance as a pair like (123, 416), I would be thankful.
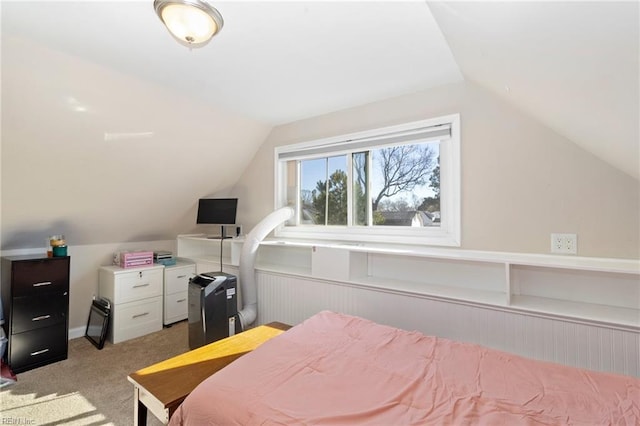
(400, 177)
(398, 184)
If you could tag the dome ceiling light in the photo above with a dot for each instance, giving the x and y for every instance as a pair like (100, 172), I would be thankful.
(192, 22)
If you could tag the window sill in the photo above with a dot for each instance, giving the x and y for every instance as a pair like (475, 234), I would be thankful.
(438, 237)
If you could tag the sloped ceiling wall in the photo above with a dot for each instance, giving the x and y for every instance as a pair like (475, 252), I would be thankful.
(97, 151)
(520, 180)
(573, 66)
(274, 61)
(103, 157)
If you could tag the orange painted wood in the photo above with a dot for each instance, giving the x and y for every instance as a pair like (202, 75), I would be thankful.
(170, 381)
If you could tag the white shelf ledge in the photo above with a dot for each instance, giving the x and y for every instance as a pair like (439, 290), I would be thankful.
(552, 286)
(284, 269)
(626, 266)
(438, 291)
(609, 315)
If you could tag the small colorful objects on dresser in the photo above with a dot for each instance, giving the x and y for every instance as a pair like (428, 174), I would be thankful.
(133, 259)
(57, 246)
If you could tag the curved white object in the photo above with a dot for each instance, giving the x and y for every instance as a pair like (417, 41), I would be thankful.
(252, 241)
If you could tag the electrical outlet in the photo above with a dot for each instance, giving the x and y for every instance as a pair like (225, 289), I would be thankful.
(564, 243)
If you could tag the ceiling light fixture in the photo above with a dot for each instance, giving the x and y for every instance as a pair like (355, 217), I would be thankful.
(192, 22)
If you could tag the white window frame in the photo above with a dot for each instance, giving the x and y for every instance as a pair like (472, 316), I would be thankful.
(447, 234)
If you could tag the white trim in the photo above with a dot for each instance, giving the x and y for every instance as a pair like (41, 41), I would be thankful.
(583, 263)
(449, 231)
(22, 252)
(351, 143)
(77, 332)
(350, 189)
(343, 140)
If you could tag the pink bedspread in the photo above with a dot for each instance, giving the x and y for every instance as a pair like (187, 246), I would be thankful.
(336, 369)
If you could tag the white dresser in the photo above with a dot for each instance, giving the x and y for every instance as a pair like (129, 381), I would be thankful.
(176, 285)
(136, 300)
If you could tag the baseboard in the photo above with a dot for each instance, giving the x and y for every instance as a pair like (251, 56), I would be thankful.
(74, 333)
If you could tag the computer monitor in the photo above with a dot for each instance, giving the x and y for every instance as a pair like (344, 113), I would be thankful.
(217, 211)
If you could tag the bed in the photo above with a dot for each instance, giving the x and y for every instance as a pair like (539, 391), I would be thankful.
(336, 369)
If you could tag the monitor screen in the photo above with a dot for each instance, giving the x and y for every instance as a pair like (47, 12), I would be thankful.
(218, 211)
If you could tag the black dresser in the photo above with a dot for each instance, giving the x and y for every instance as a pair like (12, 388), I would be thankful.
(35, 301)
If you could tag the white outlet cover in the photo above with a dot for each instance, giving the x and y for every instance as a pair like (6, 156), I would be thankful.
(564, 243)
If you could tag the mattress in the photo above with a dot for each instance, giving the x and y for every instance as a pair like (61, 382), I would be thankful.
(336, 369)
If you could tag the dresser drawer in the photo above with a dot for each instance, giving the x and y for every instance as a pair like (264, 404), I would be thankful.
(30, 313)
(137, 285)
(40, 276)
(176, 279)
(135, 319)
(176, 306)
(38, 347)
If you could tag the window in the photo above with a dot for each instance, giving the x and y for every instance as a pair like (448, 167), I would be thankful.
(398, 184)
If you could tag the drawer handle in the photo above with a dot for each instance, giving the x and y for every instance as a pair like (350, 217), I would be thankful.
(42, 284)
(140, 315)
(40, 318)
(181, 276)
(39, 352)
(141, 285)
(181, 300)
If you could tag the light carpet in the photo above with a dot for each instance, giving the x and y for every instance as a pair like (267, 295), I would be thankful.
(91, 386)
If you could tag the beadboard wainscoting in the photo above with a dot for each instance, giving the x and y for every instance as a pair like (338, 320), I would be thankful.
(292, 299)
(578, 311)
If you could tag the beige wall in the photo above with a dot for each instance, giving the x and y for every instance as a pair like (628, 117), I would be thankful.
(520, 181)
(60, 175)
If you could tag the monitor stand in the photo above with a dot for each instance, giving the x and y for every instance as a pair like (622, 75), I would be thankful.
(223, 234)
(236, 231)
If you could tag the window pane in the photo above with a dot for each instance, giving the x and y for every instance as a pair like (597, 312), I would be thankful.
(312, 177)
(393, 176)
(291, 176)
(337, 191)
(405, 185)
(323, 195)
(360, 188)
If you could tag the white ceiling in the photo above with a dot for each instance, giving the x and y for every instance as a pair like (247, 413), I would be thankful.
(572, 65)
(273, 61)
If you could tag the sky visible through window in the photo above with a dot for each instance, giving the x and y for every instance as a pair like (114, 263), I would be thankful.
(381, 185)
(313, 171)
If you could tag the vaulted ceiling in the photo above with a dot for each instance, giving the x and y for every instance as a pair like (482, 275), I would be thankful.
(572, 65)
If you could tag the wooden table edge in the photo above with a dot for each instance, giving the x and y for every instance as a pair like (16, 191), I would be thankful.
(148, 401)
